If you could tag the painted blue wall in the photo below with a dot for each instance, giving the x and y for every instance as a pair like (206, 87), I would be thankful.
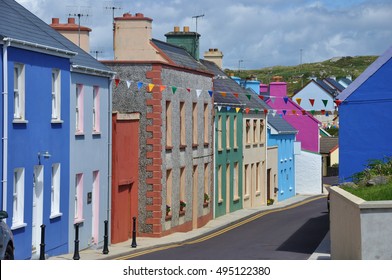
(38, 135)
(94, 147)
(286, 163)
(365, 120)
(1, 124)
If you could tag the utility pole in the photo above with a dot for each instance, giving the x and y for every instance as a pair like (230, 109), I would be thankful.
(197, 39)
(239, 65)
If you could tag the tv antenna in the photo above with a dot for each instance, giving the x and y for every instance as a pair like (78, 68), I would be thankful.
(197, 38)
(96, 52)
(80, 14)
(113, 8)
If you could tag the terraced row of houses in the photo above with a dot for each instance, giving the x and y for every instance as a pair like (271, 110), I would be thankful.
(156, 133)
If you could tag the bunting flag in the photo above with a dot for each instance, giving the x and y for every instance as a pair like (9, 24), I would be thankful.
(129, 83)
(219, 108)
(273, 99)
(284, 112)
(198, 92)
(237, 109)
(294, 112)
(223, 93)
(313, 112)
(188, 89)
(274, 113)
(298, 101)
(247, 110)
(249, 96)
(174, 89)
(139, 85)
(256, 111)
(326, 114)
(117, 81)
(325, 102)
(311, 101)
(285, 99)
(261, 97)
(338, 102)
(303, 112)
(235, 95)
(210, 93)
(162, 88)
(150, 87)
(266, 111)
(228, 108)
(323, 112)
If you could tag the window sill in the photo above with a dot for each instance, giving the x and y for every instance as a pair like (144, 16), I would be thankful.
(78, 221)
(246, 197)
(168, 217)
(206, 144)
(220, 201)
(96, 132)
(17, 226)
(182, 213)
(182, 147)
(53, 121)
(55, 215)
(169, 148)
(20, 121)
(258, 193)
(79, 133)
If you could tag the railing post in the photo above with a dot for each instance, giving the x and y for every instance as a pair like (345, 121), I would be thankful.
(134, 245)
(105, 250)
(76, 255)
(42, 245)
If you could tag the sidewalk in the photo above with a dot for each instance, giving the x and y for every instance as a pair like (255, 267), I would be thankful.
(148, 243)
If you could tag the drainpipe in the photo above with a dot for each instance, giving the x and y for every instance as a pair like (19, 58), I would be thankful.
(5, 124)
(109, 208)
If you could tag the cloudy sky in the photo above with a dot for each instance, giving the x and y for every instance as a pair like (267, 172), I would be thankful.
(252, 34)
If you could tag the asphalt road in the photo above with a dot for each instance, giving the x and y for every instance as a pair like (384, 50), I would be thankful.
(292, 234)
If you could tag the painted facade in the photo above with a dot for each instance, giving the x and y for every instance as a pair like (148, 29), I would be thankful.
(175, 135)
(369, 95)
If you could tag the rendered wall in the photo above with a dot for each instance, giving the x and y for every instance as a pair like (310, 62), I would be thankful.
(308, 170)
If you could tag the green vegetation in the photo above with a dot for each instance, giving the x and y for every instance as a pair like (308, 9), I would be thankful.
(380, 192)
(374, 182)
(297, 76)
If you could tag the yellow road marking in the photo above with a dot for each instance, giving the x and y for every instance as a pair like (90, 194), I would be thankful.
(217, 233)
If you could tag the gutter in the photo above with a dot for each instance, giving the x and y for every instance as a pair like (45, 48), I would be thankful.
(46, 49)
(95, 71)
(5, 126)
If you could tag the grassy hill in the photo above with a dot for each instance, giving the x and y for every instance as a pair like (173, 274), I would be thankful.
(297, 76)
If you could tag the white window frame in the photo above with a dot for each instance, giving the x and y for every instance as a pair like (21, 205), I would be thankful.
(79, 109)
(55, 191)
(96, 110)
(56, 95)
(18, 198)
(19, 93)
(78, 216)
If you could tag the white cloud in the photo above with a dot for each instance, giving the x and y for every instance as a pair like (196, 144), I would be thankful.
(261, 33)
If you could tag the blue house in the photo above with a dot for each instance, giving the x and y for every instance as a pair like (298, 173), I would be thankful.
(282, 135)
(365, 114)
(39, 70)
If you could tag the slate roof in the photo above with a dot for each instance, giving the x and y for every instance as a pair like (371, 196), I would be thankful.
(179, 55)
(280, 124)
(373, 68)
(20, 24)
(327, 144)
(346, 81)
(335, 84)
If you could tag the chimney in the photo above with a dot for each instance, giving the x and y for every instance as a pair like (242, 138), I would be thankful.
(277, 87)
(214, 55)
(187, 39)
(70, 30)
(132, 38)
(263, 89)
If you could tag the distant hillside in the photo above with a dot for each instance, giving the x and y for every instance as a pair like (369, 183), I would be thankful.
(297, 76)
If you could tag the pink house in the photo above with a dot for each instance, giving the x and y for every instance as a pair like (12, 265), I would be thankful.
(305, 123)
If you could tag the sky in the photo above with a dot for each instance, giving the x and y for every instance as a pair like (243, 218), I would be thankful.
(252, 34)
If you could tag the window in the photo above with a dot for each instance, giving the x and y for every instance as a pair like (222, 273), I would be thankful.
(78, 198)
(194, 123)
(79, 109)
(258, 177)
(228, 181)
(247, 131)
(169, 186)
(18, 198)
(182, 183)
(219, 133)
(55, 191)
(169, 141)
(220, 184)
(19, 93)
(96, 110)
(206, 123)
(235, 181)
(182, 124)
(227, 132)
(235, 132)
(255, 135)
(262, 131)
(56, 95)
(206, 184)
(247, 179)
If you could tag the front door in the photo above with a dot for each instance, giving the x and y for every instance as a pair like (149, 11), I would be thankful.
(38, 187)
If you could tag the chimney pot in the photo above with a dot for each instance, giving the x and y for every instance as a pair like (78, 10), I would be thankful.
(55, 20)
(127, 15)
(210, 50)
(71, 20)
(215, 50)
(176, 29)
(139, 15)
(277, 78)
(186, 28)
